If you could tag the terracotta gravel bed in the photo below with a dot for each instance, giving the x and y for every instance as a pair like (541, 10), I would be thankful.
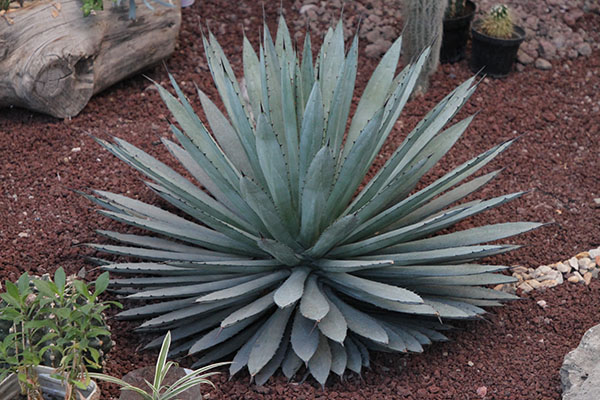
(514, 353)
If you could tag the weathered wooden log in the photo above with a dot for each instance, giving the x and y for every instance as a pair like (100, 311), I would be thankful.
(52, 59)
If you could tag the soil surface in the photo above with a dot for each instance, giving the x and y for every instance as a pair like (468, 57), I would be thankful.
(515, 353)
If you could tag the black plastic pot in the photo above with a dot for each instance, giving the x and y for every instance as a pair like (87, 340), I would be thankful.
(494, 56)
(456, 35)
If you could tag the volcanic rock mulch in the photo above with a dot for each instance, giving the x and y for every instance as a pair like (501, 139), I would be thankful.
(514, 353)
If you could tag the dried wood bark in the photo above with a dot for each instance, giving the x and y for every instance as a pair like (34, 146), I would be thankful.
(52, 59)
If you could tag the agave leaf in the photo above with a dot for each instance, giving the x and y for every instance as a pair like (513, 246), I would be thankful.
(446, 199)
(398, 188)
(191, 290)
(418, 309)
(269, 369)
(327, 265)
(229, 266)
(280, 251)
(291, 364)
(465, 306)
(273, 165)
(359, 322)
(194, 128)
(409, 204)
(400, 185)
(305, 337)
(339, 359)
(312, 130)
(291, 290)
(219, 335)
(377, 289)
(307, 72)
(334, 325)
(445, 310)
(314, 304)
(353, 360)
(245, 133)
(411, 343)
(252, 286)
(229, 189)
(414, 271)
(320, 363)
(331, 64)
(373, 97)
(256, 307)
(151, 310)
(449, 255)
(165, 281)
(252, 77)
(364, 353)
(415, 140)
(225, 348)
(378, 242)
(291, 129)
(469, 280)
(193, 310)
(353, 169)
(139, 268)
(332, 236)
(396, 343)
(157, 243)
(482, 234)
(188, 232)
(283, 43)
(189, 329)
(263, 206)
(225, 228)
(273, 86)
(340, 108)
(269, 340)
(241, 357)
(450, 218)
(467, 292)
(197, 172)
(319, 179)
(225, 133)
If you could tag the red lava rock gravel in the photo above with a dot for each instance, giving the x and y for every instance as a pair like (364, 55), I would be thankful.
(515, 353)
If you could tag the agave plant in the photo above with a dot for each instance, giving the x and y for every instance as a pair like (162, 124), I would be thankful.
(280, 261)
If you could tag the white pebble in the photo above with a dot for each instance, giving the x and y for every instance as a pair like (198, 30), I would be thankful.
(542, 303)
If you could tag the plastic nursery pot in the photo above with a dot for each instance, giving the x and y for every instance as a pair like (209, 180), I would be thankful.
(456, 35)
(52, 388)
(494, 56)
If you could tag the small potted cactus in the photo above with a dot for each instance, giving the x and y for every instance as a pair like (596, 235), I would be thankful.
(496, 40)
(457, 21)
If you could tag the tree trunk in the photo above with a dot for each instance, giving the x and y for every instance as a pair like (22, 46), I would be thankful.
(53, 61)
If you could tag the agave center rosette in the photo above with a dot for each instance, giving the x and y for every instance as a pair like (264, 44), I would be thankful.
(280, 261)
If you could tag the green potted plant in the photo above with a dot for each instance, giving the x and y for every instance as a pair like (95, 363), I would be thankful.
(457, 21)
(496, 40)
(158, 389)
(51, 333)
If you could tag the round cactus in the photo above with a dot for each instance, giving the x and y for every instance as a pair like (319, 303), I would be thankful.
(498, 23)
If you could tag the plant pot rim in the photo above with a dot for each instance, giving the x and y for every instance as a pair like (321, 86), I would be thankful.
(93, 391)
(518, 36)
(466, 16)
